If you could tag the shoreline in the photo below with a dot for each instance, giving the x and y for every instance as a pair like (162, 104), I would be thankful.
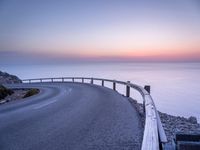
(171, 124)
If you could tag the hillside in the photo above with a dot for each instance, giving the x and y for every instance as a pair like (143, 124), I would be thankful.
(8, 78)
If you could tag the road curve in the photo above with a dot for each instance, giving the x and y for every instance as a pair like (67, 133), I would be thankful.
(69, 116)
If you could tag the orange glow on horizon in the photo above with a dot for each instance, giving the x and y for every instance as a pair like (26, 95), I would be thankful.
(162, 54)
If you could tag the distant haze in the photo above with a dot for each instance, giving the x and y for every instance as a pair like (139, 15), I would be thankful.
(37, 31)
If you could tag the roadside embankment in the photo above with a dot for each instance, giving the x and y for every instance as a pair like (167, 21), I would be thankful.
(18, 94)
(171, 124)
(7, 95)
(4, 92)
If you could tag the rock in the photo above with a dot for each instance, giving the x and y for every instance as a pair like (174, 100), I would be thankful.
(172, 124)
(192, 119)
(2, 102)
(8, 78)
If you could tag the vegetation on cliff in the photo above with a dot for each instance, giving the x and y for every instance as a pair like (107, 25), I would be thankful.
(4, 92)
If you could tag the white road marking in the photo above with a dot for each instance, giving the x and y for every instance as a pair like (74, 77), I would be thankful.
(45, 104)
(68, 91)
(50, 102)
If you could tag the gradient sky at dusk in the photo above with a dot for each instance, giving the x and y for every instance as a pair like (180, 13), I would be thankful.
(106, 29)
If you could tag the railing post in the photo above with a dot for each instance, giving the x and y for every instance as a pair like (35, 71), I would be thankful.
(91, 80)
(29, 81)
(72, 79)
(82, 80)
(51, 79)
(41, 80)
(62, 79)
(114, 85)
(128, 89)
(147, 88)
(102, 82)
(144, 107)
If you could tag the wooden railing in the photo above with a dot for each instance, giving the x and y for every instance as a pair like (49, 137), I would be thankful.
(154, 137)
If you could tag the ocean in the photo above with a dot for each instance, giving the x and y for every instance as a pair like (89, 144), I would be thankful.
(175, 87)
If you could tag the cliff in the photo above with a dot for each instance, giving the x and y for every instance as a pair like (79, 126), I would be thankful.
(8, 78)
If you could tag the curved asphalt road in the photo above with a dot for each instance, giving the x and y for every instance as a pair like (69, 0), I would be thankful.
(69, 116)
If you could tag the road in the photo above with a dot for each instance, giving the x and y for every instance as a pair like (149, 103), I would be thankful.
(69, 116)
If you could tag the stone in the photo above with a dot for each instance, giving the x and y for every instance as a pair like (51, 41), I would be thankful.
(192, 119)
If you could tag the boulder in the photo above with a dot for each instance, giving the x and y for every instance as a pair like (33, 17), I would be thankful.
(192, 119)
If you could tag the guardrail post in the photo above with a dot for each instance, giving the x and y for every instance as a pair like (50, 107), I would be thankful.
(102, 82)
(51, 79)
(144, 107)
(91, 80)
(128, 89)
(114, 85)
(29, 81)
(62, 79)
(40, 80)
(72, 79)
(82, 80)
(147, 88)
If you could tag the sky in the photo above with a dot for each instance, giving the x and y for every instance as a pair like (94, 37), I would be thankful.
(133, 30)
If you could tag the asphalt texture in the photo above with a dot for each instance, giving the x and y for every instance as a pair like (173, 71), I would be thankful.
(69, 116)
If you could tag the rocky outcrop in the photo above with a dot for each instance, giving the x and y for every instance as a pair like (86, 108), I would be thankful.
(177, 124)
(8, 78)
(172, 124)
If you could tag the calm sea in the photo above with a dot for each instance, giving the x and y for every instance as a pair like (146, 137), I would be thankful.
(175, 87)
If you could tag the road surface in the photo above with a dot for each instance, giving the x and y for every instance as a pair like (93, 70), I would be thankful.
(69, 116)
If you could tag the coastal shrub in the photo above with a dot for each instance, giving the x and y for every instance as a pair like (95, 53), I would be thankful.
(4, 92)
(31, 92)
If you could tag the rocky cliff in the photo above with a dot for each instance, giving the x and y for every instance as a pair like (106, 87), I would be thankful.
(8, 78)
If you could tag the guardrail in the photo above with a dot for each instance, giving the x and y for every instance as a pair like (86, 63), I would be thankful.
(154, 137)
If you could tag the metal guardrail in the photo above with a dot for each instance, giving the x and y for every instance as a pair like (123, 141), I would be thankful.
(154, 137)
